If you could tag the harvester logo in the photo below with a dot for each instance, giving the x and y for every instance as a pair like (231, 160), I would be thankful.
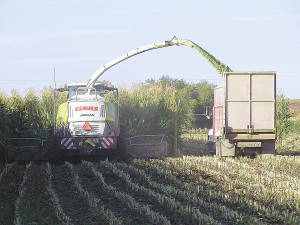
(107, 142)
(86, 108)
(67, 143)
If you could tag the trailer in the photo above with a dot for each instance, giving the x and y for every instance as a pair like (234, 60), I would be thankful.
(244, 114)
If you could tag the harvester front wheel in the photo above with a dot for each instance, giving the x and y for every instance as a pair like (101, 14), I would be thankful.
(122, 145)
(54, 154)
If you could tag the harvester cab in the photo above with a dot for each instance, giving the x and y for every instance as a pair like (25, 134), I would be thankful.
(88, 123)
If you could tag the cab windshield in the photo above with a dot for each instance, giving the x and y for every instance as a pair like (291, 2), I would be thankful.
(73, 89)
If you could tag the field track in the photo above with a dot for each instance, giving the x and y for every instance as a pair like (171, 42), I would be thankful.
(187, 190)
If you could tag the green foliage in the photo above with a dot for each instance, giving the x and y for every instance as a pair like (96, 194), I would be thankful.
(283, 116)
(295, 126)
(27, 117)
(32, 114)
(46, 108)
(193, 97)
(15, 107)
(4, 121)
(205, 93)
(153, 109)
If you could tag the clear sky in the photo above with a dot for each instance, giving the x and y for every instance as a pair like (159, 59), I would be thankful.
(77, 37)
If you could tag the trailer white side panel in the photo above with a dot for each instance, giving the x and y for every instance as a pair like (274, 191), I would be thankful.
(249, 101)
(218, 111)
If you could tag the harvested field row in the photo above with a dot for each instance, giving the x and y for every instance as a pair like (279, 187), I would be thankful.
(188, 190)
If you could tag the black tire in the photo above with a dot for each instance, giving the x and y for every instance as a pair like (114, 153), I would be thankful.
(9, 156)
(122, 145)
(54, 154)
(2, 154)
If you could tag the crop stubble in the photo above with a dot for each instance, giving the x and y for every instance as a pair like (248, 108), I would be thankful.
(188, 190)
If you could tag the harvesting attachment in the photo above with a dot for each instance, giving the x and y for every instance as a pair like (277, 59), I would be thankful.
(147, 146)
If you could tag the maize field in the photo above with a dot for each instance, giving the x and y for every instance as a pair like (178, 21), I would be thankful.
(193, 188)
(182, 190)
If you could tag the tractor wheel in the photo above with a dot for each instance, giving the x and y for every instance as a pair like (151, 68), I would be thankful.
(53, 154)
(9, 154)
(56, 154)
(122, 145)
(3, 154)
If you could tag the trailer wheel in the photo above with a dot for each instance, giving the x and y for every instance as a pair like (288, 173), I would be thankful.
(218, 148)
(225, 148)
